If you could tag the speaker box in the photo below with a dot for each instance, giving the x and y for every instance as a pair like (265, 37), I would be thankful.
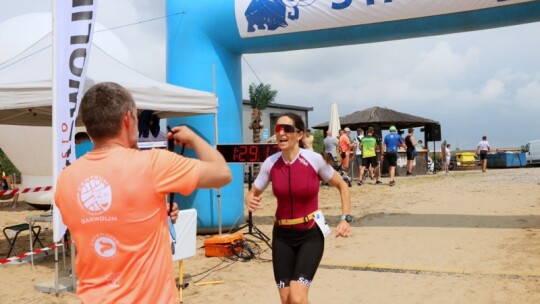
(433, 132)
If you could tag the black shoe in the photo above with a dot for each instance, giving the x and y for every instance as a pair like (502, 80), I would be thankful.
(378, 182)
(359, 183)
(391, 183)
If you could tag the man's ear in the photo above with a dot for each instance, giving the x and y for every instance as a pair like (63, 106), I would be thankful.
(126, 121)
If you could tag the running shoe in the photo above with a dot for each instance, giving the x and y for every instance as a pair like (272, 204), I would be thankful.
(359, 183)
(378, 182)
(391, 183)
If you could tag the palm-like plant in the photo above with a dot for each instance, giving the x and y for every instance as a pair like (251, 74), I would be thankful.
(260, 96)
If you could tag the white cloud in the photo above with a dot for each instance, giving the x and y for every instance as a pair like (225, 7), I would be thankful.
(492, 90)
(440, 67)
(528, 96)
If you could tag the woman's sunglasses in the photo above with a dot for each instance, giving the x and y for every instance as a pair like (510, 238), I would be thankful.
(286, 128)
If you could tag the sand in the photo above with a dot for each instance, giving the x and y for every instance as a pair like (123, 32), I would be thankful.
(467, 237)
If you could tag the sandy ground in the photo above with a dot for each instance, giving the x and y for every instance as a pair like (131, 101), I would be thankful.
(467, 237)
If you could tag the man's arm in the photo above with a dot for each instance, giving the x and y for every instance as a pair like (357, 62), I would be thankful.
(215, 172)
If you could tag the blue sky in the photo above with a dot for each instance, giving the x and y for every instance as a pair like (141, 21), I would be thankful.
(475, 83)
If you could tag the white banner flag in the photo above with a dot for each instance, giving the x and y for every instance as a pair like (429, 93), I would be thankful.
(73, 25)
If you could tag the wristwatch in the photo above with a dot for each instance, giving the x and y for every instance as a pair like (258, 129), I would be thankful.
(347, 217)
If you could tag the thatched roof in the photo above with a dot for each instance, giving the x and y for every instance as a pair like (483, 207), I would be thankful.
(382, 118)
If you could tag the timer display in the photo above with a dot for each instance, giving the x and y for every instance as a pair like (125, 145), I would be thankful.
(247, 153)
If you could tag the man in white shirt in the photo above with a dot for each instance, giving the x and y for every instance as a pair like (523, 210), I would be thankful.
(358, 149)
(483, 149)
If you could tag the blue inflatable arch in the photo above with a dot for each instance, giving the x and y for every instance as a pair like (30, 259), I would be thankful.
(212, 35)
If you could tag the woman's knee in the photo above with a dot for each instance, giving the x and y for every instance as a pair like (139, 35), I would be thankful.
(298, 293)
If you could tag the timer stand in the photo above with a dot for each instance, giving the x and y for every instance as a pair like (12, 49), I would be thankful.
(252, 229)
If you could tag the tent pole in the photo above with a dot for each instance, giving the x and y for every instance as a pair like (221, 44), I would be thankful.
(218, 190)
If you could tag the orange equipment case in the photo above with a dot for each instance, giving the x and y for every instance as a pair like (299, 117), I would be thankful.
(221, 245)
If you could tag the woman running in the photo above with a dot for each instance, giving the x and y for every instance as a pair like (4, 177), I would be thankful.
(299, 226)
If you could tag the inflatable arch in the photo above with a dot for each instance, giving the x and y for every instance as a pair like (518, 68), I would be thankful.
(209, 37)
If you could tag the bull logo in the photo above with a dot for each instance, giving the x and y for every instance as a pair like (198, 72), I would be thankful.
(273, 14)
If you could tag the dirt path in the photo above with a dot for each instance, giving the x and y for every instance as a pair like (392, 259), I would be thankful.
(468, 237)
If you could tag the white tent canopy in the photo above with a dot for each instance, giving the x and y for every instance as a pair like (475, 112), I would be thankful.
(26, 87)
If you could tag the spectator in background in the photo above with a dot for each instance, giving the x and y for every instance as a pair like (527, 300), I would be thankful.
(345, 149)
(410, 144)
(483, 149)
(272, 139)
(369, 156)
(447, 157)
(83, 144)
(391, 144)
(358, 149)
(308, 139)
(330, 145)
(6, 183)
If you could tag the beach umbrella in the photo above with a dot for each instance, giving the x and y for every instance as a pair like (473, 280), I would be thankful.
(334, 125)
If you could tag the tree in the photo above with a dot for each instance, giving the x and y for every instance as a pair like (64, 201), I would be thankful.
(260, 96)
(318, 144)
(7, 165)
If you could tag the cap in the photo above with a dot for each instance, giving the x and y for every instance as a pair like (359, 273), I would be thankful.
(393, 129)
(347, 130)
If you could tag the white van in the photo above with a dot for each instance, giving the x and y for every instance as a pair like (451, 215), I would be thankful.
(532, 150)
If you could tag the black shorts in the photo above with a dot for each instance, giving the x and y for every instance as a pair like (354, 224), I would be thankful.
(483, 154)
(410, 154)
(391, 158)
(366, 161)
(296, 254)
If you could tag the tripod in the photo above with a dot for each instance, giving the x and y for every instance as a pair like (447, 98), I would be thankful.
(252, 229)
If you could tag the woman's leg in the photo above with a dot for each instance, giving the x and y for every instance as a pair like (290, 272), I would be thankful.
(283, 259)
(298, 293)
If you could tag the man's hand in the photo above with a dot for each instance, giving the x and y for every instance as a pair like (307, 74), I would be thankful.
(182, 135)
(174, 213)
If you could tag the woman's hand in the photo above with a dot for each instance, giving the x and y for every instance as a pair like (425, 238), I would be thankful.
(252, 202)
(343, 229)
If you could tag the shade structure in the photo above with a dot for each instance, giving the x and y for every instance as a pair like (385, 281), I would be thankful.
(381, 118)
(334, 122)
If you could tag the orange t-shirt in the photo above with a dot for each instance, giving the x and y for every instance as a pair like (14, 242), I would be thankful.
(344, 143)
(113, 203)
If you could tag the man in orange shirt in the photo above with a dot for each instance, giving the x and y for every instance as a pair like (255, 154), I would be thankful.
(113, 201)
(345, 148)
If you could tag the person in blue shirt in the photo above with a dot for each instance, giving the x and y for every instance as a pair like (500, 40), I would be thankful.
(83, 144)
(391, 144)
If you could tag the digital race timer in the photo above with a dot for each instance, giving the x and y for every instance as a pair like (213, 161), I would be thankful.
(247, 153)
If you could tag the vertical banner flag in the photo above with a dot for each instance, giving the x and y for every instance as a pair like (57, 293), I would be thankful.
(73, 26)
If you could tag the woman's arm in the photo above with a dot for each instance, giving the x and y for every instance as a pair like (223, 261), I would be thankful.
(343, 228)
(253, 199)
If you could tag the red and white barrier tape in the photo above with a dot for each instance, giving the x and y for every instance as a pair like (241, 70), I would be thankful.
(25, 190)
(23, 255)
